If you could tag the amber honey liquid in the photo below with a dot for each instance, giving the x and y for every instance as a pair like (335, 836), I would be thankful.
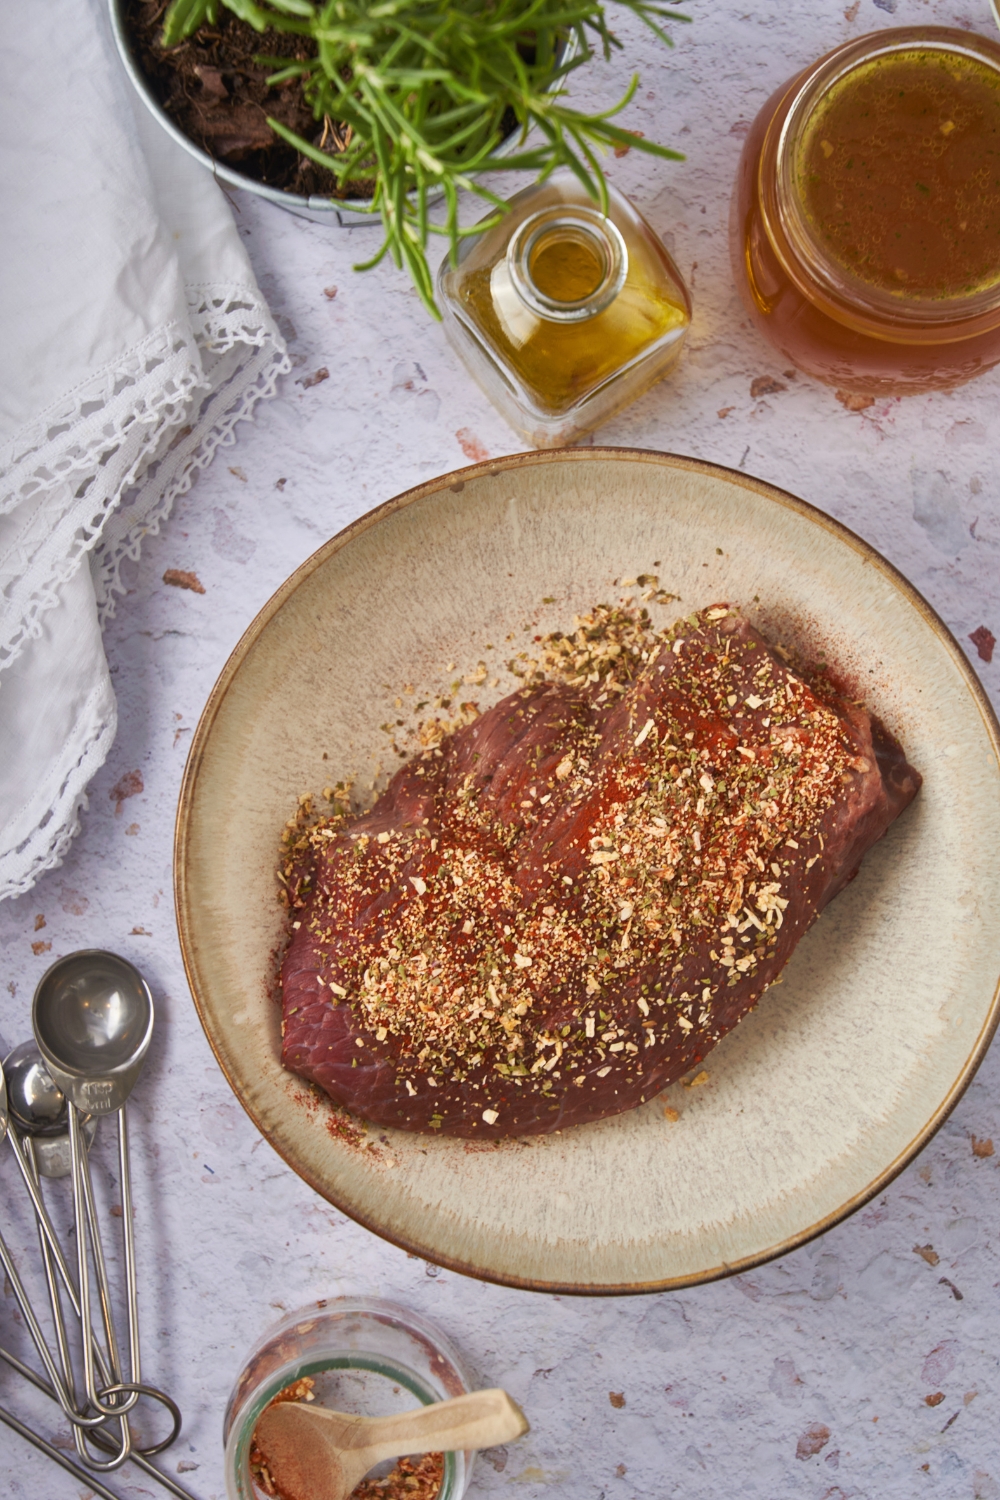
(892, 171)
(899, 174)
(561, 362)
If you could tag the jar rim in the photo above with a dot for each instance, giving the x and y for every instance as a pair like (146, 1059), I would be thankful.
(845, 296)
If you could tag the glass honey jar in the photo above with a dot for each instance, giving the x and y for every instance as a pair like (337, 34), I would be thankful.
(865, 225)
(562, 314)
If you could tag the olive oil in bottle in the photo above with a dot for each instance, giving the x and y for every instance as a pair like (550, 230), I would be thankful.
(564, 315)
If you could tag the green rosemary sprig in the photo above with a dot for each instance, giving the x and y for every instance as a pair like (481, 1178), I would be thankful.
(423, 92)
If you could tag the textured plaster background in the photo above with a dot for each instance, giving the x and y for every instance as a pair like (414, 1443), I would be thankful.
(865, 1365)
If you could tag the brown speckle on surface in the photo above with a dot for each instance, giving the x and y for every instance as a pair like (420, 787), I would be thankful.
(724, 411)
(927, 1253)
(621, 1470)
(617, 1399)
(671, 1114)
(984, 641)
(624, 150)
(982, 1147)
(129, 785)
(329, 292)
(279, 484)
(812, 1441)
(958, 1296)
(227, 542)
(854, 401)
(235, 470)
(74, 901)
(140, 932)
(935, 1399)
(471, 446)
(131, 830)
(939, 1363)
(178, 578)
(39, 922)
(39, 948)
(852, 10)
(766, 385)
(316, 378)
(785, 1381)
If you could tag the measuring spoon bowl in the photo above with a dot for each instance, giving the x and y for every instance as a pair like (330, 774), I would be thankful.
(92, 1016)
(35, 1102)
(37, 1107)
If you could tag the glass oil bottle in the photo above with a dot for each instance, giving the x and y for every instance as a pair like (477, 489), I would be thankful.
(561, 314)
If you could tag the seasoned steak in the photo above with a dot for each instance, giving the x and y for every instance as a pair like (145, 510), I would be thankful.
(562, 906)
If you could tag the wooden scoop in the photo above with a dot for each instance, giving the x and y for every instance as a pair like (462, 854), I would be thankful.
(313, 1453)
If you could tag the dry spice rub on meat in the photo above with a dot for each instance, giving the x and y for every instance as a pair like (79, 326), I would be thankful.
(561, 907)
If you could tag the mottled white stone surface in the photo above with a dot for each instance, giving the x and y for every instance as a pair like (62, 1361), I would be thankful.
(725, 1390)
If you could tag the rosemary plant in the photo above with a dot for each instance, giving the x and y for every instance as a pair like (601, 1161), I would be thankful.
(419, 93)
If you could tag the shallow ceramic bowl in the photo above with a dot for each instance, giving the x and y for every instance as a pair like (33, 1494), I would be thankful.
(841, 1074)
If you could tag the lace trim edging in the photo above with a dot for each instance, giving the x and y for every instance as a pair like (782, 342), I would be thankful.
(46, 846)
(141, 428)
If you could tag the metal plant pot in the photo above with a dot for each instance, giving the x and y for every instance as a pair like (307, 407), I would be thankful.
(346, 213)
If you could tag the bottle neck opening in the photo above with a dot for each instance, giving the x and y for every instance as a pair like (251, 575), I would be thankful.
(567, 264)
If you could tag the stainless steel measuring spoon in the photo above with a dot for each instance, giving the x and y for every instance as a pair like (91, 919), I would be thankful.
(37, 1107)
(92, 1016)
(40, 1143)
(21, 1296)
(140, 1458)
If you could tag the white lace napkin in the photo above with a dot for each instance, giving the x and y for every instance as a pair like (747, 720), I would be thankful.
(133, 338)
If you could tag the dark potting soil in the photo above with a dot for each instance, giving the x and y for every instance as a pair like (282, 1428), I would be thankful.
(213, 88)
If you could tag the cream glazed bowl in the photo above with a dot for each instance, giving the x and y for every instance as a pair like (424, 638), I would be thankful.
(840, 1075)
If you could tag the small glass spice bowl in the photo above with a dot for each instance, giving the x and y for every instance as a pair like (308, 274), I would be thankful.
(564, 315)
(363, 1355)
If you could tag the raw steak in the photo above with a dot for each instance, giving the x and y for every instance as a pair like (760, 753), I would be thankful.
(564, 905)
